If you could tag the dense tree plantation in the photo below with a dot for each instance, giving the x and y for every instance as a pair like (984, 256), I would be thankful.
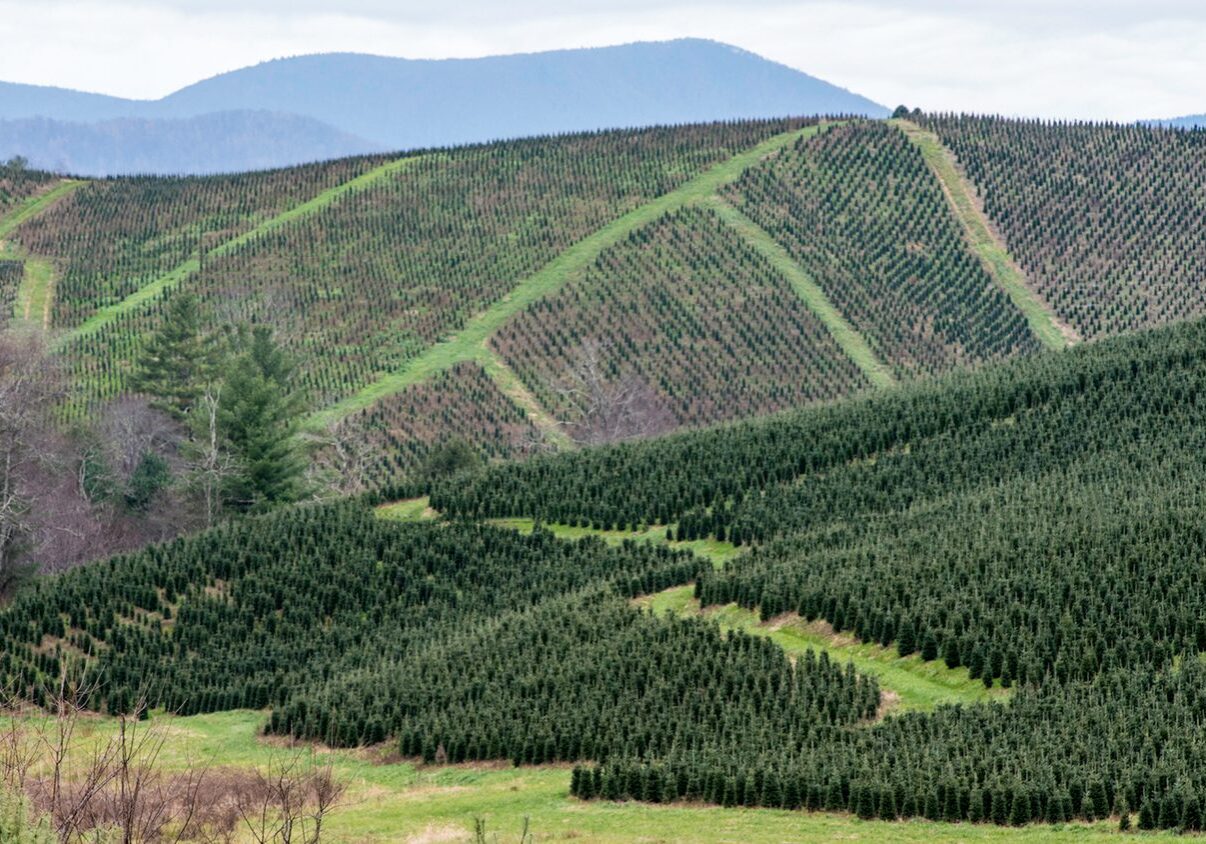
(347, 625)
(1030, 519)
(860, 211)
(691, 311)
(11, 273)
(383, 272)
(876, 452)
(1104, 218)
(112, 236)
(390, 440)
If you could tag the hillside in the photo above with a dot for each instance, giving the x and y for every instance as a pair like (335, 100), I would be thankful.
(484, 289)
(218, 142)
(683, 275)
(1007, 524)
(365, 103)
(1102, 218)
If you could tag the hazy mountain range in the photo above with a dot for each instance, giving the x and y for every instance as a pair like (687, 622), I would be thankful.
(1192, 121)
(306, 108)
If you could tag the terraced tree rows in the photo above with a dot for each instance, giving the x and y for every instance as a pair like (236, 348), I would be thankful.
(111, 237)
(11, 273)
(1104, 218)
(687, 308)
(1034, 523)
(368, 281)
(391, 439)
(859, 210)
(555, 665)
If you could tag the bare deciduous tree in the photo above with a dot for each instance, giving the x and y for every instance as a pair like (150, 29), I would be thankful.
(29, 384)
(212, 464)
(114, 782)
(290, 799)
(601, 408)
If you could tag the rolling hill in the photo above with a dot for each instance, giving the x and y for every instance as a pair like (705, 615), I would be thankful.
(399, 104)
(704, 273)
(1004, 524)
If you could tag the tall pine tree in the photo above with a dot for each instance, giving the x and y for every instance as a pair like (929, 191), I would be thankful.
(258, 422)
(179, 359)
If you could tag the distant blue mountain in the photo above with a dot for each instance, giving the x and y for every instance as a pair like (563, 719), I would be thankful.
(221, 142)
(407, 104)
(1192, 121)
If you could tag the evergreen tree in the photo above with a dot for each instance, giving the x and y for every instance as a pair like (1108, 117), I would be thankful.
(258, 420)
(178, 360)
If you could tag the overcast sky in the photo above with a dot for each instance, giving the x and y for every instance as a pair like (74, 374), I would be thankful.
(1071, 58)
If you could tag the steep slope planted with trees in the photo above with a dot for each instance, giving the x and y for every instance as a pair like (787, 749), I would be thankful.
(685, 307)
(1104, 218)
(857, 207)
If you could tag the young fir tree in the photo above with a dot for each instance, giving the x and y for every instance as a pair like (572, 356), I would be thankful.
(179, 359)
(258, 422)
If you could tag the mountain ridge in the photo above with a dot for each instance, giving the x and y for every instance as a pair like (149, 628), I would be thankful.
(401, 104)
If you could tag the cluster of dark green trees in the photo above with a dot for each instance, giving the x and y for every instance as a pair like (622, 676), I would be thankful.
(1105, 218)
(1037, 523)
(234, 393)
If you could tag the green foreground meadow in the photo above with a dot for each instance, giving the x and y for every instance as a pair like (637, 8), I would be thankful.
(389, 799)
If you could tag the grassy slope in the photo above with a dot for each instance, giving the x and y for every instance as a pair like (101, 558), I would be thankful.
(993, 254)
(568, 265)
(847, 337)
(152, 290)
(36, 293)
(396, 801)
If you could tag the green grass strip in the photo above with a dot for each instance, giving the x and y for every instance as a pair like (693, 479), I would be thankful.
(715, 550)
(549, 279)
(511, 386)
(911, 683)
(1051, 331)
(156, 288)
(851, 342)
(36, 294)
(35, 205)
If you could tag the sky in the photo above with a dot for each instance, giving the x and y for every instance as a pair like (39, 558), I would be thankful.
(1094, 59)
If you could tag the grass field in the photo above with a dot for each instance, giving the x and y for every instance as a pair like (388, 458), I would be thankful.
(847, 337)
(35, 296)
(392, 800)
(1052, 331)
(571, 263)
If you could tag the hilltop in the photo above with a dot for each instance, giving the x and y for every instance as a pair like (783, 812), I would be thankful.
(366, 103)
